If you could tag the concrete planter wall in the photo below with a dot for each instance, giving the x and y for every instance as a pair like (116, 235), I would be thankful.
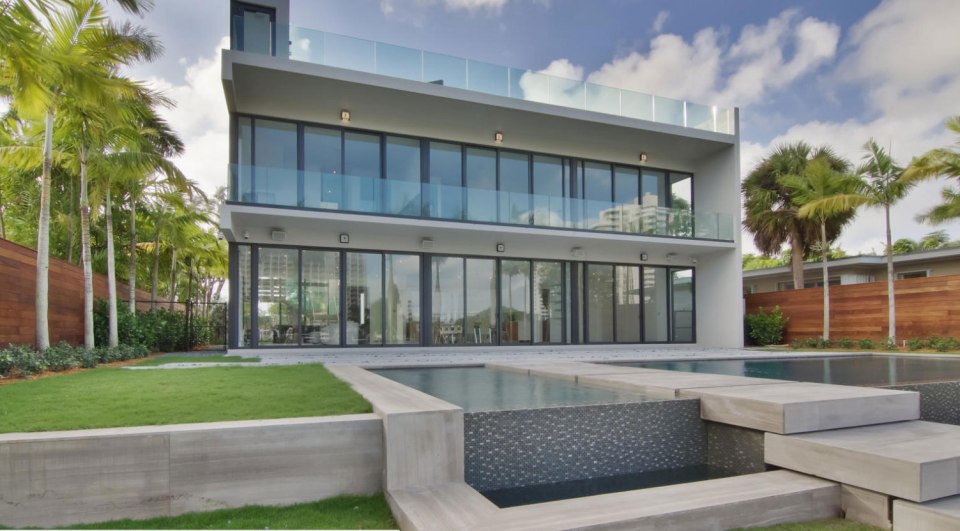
(61, 478)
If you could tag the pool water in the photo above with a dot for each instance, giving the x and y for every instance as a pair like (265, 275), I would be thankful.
(483, 389)
(515, 496)
(872, 371)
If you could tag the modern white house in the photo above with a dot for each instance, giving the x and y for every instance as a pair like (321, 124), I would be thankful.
(386, 196)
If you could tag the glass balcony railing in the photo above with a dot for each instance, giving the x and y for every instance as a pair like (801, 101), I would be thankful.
(340, 51)
(369, 195)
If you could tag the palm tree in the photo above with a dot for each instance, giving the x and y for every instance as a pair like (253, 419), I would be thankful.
(940, 162)
(821, 193)
(57, 53)
(771, 212)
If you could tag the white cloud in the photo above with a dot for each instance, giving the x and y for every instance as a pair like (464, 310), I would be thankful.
(200, 117)
(561, 86)
(659, 22)
(708, 71)
(403, 8)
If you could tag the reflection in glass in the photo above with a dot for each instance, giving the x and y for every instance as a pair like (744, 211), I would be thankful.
(275, 154)
(681, 198)
(653, 196)
(447, 302)
(548, 200)
(515, 301)
(361, 168)
(598, 192)
(547, 302)
(257, 33)
(445, 70)
(655, 304)
(246, 289)
(481, 325)
(515, 188)
(364, 299)
(628, 304)
(244, 184)
(482, 182)
(600, 303)
(322, 176)
(403, 176)
(398, 61)
(278, 294)
(682, 296)
(626, 194)
(320, 314)
(446, 181)
(403, 299)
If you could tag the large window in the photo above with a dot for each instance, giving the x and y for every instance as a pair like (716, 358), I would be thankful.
(515, 317)
(682, 299)
(447, 302)
(599, 303)
(627, 197)
(402, 299)
(548, 190)
(364, 299)
(548, 305)
(481, 184)
(246, 290)
(655, 309)
(514, 188)
(403, 176)
(481, 301)
(598, 194)
(322, 175)
(361, 168)
(278, 296)
(628, 304)
(275, 157)
(446, 181)
(320, 298)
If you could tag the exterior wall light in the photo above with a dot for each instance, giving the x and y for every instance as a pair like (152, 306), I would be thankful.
(345, 116)
(644, 257)
(578, 253)
(344, 238)
(498, 137)
(643, 157)
(426, 244)
(501, 248)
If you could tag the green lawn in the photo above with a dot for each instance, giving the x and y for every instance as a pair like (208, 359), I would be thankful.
(343, 512)
(165, 360)
(109, 397)
(836, 524)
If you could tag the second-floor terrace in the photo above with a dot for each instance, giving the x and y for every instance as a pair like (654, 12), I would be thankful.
(308, 166)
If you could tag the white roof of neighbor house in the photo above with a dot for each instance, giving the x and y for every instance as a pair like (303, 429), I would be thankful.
(869, 261)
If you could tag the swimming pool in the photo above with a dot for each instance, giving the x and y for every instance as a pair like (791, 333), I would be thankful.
(870, 371)
(483, 389)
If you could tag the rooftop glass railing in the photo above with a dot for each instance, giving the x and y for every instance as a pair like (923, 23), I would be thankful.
(372, 195)
(319, 47)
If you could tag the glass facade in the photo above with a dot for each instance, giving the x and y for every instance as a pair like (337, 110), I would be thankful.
(303, 165)
(324, 297)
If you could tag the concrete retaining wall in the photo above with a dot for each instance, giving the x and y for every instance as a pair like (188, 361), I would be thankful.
(61, 478)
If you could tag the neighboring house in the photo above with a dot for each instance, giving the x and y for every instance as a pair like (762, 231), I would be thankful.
(856, 270)
(381, 195)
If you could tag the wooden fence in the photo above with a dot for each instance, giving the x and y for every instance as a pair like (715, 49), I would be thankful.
(925, 306)
(18, 268)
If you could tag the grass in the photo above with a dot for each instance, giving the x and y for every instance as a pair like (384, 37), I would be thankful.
(342, 512)
(165, 360)
(112, 397)
(836, 524)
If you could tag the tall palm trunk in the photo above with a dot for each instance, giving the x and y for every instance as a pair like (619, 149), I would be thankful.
(173, 276)
(3, 227)
(85, 255)
(42, 295)
(826, 280)
(891, 298)
(796, 260)
(70, 227)
(132, 263)
(111, 272)
(155, 270)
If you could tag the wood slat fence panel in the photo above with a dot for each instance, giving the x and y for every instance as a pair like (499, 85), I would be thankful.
(925, 307)
(18, 267)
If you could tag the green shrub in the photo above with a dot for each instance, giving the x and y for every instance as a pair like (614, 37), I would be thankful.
(889, 344)
(915, 343)
(844, 342)
(62, 357)
(943, 344)
(865, 344)
(24, 361)
(766, 328)
(159, 329)
(823, 343)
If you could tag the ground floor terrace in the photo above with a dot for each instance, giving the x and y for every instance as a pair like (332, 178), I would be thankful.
(295, 297)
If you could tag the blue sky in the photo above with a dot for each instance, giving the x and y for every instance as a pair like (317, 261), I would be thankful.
(824, 71)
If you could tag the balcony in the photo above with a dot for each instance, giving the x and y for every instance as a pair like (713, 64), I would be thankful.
(259, 185)
(352, 53)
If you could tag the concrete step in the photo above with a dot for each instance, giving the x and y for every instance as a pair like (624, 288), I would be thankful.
(939, 515)
(915, 460)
